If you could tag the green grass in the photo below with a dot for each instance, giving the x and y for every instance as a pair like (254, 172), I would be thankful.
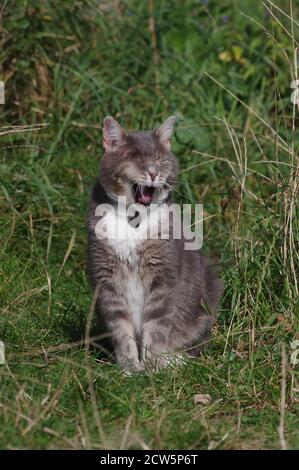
(69, 67)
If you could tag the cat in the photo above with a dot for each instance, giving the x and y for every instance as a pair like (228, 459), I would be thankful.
(153, 296)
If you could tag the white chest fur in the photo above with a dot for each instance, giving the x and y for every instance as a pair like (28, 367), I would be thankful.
(114, 227)
(134, 295)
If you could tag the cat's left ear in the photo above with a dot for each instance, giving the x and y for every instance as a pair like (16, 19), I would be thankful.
(113, 134)
(164, 132)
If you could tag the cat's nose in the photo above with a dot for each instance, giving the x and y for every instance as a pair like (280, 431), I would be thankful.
(152, 174)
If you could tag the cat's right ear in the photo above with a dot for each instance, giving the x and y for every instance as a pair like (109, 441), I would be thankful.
(113, 134)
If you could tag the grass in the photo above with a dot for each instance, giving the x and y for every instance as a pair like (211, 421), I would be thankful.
(225, 70)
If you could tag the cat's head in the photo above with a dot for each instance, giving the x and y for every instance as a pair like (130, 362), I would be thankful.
(138, 165)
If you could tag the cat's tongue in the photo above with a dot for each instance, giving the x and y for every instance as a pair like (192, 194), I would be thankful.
(144, 199)
(145, 196)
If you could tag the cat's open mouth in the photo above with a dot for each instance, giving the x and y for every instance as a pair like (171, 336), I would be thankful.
(143, 194)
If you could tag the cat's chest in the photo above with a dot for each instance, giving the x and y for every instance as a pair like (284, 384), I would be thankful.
(124, 237)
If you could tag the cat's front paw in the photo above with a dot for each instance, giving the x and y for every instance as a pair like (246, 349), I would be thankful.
(161, 361)
(130, 368)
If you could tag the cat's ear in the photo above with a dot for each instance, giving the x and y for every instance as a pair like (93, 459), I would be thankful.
(164, 132)
(113, 134)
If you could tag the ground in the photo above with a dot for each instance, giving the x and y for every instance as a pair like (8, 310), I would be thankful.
(224, 69)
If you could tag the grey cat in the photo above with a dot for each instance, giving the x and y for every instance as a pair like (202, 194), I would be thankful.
(154, 296)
